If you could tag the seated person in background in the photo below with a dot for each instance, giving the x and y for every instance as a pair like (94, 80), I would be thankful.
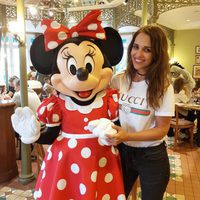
(178, 71)
(49, 90)
(181, 91)
(41, 77)
(32, 74)
(34, 84)
(47, 80)
(182, 95)
(11, 89)
(2, 91)
(33, 99)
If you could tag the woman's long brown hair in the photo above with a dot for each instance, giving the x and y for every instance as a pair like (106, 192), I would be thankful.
(157, 75)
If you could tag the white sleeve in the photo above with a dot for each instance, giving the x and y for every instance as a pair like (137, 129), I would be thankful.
(167, 107)
(16, 98)
(182, 97)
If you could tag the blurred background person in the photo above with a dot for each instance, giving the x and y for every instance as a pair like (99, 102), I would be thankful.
(11, 89)
(33, 98)
(49, 90)
(32, 73)
(178, 70)
(182, 95)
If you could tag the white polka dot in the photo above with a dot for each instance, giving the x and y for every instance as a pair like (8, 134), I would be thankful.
(94, 176)
(75, 168)
(121, 197)
(62, 35)
(52, 45)
(55, 25)
(43, 174)
(108, 178)
(75, 34)
(102, 162)
(85, 119)
(42, 109)
(72, 143)
(85, 128)
(100, 35)
(37, 194)
(82, 189)
(86, 152)
(99, 141)
(49, 149)
(114, 150)
(106, 197)
(43, 165)
(55, 118)
(92, 26)
(109, 113)
(115, 97)
(61, 184)
(50, 106)
(59, 138)
(60, 155)
(49, 155)
(44, 28)
(99, 18)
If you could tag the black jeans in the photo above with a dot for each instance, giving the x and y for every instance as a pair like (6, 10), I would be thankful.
(151, 164)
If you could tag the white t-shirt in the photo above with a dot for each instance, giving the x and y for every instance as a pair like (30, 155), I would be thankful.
(33, 100)
(134, 113)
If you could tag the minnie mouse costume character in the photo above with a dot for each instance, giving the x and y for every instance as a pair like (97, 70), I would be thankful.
(77, 165)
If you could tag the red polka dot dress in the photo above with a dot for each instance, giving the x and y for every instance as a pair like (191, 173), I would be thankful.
(77, 166)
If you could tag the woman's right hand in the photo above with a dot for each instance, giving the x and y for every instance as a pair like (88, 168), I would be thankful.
(120, 136)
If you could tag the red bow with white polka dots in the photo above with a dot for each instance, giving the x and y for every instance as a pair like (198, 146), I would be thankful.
(55, 33)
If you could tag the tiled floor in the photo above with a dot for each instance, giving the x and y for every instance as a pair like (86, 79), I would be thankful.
(184, 181)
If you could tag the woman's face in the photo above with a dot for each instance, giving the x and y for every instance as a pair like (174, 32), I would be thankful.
(141, 53)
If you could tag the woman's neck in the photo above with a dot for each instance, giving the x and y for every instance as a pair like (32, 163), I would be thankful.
(138, 77)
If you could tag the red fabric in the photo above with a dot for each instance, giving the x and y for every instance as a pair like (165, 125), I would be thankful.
(49, 111)
(113, 97)
(80, 169)
(56, 33)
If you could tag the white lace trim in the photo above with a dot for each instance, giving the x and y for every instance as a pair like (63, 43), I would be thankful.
(70, 105)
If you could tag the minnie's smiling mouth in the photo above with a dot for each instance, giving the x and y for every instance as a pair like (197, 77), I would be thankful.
(84, 94)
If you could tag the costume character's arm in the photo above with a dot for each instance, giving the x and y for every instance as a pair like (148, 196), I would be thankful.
(28, 127)
(48, 135)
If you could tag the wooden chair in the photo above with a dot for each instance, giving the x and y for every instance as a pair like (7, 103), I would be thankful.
(39, 92)
(177, 124)
(40, 153)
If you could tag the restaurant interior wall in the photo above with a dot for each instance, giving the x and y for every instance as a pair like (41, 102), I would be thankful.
(184, 50)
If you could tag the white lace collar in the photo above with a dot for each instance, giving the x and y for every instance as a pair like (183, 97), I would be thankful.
(70, 105)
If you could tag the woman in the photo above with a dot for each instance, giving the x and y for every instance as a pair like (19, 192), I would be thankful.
(146, 105)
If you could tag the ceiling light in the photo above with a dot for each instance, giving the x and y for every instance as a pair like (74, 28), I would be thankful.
(125, 2)
(33, 10)
(50, 13)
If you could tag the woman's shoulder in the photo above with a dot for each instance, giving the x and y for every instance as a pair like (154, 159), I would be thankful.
(117, 79)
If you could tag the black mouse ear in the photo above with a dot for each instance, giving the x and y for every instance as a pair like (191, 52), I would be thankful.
(42, 60)
(112, 47)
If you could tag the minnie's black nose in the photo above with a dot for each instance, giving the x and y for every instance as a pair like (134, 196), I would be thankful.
(82, 74)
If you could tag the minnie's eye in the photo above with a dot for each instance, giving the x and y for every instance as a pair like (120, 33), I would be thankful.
(71, 66)
(89, 63)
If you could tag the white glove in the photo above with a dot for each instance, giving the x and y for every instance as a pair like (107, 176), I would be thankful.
(101, 128)
(26, 125)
